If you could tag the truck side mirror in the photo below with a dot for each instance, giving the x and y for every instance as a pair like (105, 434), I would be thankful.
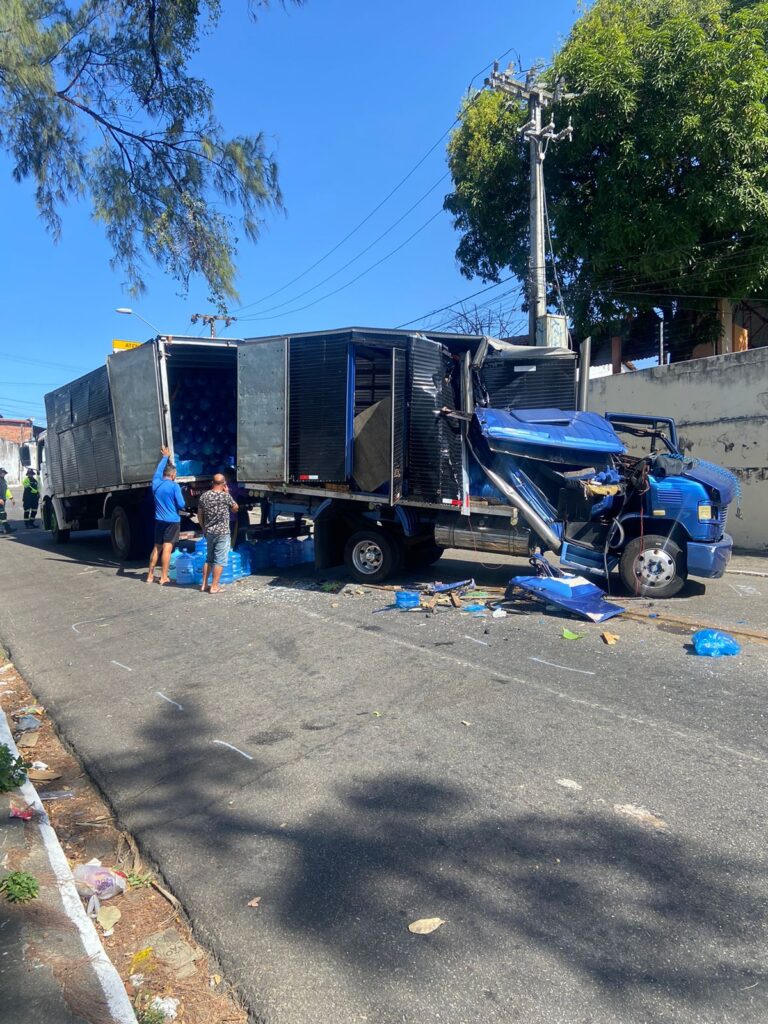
(25, 456)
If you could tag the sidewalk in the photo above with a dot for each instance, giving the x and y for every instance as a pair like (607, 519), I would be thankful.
(53, 967)
(750, 565)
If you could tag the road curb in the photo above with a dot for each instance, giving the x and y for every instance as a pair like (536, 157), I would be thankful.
(111, 984)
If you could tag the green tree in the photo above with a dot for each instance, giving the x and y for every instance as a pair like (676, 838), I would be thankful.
(96, 100)
(662, 198)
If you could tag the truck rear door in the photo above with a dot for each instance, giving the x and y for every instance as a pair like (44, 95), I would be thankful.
(262, 376)
(136, 381)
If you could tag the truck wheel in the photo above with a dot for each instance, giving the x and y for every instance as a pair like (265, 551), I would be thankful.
(130, 541)
(59, 536)
(372, 555)
(423, 556)
(653, 566)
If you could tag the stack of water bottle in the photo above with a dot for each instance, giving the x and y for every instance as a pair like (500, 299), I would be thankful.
(187, 567)
(204, 424)
(280, 552)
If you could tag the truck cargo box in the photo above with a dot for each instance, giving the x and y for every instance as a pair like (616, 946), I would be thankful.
(105, 429)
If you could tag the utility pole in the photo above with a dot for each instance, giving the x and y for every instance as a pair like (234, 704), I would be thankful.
(661, 343)
(209, 319)
(538, 138)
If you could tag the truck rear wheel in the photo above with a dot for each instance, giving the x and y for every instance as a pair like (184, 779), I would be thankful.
(653, 566)
(128, 532)
(423, 555)
(59, 536)
(372, 555)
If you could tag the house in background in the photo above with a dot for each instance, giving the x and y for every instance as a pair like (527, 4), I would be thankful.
(13, 434)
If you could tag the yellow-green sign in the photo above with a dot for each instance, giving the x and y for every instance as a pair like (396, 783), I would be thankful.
(118, 345)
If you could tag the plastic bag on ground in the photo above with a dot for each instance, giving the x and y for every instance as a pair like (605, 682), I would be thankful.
(712, 643)
(98, 883)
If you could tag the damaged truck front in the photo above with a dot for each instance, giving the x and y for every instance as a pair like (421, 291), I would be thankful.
(399, 445)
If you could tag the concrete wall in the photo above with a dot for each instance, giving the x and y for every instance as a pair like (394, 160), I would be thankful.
(9, 459)
(721, 407)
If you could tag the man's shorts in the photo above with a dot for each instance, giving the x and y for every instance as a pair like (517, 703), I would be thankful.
(218, 548)
(166, 533)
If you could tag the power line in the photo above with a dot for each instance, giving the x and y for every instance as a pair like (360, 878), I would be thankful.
(322, 298)
(362, 252)
(379, 205)
(458, 302)
(38, 363)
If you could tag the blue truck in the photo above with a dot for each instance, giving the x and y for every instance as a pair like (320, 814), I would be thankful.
(393, 446)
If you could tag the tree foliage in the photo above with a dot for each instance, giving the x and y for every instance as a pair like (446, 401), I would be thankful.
(96, 100)
(662, 197)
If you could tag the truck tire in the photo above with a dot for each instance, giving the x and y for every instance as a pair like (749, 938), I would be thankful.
(423, 555)
(128, 532)
(59, 536)
(653, 566)
(372, 555)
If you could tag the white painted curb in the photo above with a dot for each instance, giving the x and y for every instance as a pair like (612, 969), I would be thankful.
(114, 991)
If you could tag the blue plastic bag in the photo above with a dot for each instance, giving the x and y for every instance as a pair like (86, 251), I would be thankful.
(711, 643)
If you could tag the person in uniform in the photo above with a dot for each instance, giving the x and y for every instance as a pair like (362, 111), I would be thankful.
(5, 497)
(31, 499)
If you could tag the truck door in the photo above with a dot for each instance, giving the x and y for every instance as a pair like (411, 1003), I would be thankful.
(141, 414)
(262, 373)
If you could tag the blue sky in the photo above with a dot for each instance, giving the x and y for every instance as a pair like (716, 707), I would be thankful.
(352, 94)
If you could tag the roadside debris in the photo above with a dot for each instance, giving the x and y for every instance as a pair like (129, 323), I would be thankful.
(27, 723)
(425, 925)
(641, 815)
(170, 949)
(572, 593)
(24, 811)
(96, 883)
(712, 643)
(108, 918)
(167, 1005)
(42, 774)
(610, 638)
(254, 902)
(568, 634)
(568, 784)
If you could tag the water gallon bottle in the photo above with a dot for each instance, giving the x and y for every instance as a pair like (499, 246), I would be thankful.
(201, 546)
(236, 561)
(293, 551)
(259, 555)
(185, 570)
(198, 561)
(245, 559)
(309, 550)
(227, 573)
(281, 554)
(172, 567)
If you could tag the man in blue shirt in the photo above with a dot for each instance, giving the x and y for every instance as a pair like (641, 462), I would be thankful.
(169, 502)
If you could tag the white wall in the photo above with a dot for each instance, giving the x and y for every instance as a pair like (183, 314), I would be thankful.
(721, 407)
(9, 459)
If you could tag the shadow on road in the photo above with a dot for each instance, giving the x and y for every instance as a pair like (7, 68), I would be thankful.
(652, 923)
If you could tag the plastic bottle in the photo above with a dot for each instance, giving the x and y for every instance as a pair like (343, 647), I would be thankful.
(185, 567)
(309, 550)
(281, 554)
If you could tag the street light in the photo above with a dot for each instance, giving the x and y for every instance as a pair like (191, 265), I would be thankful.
(132, 312)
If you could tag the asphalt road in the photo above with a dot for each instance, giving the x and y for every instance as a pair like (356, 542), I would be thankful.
(389, 767)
